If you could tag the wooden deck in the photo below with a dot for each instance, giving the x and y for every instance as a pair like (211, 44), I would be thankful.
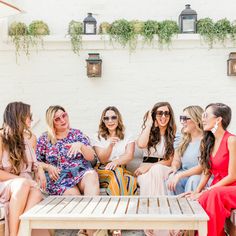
(104, 212)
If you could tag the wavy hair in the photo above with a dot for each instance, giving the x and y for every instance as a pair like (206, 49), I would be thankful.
(50, 113)
(13, 130)
(195, 113)
(208, 141)
(155, 135)
(103, 130)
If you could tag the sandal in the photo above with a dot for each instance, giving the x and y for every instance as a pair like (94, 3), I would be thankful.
(116, 232)
(82, 232)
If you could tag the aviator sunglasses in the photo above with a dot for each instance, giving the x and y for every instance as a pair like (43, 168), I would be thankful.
(107, 118)
(184, 118)
(59, 118)
(161, 113)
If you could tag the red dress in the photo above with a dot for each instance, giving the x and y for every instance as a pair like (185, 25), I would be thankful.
(219, 201)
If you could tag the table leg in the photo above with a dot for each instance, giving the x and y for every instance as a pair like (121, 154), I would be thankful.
(202, 229)
(24, 229)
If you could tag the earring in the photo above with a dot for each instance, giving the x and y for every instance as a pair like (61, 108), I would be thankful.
(214, 129)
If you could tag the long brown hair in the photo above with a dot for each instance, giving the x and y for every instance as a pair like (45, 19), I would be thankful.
(103, 130)
(13, 130)
(195, 113)
(208, 141)
(155, 135)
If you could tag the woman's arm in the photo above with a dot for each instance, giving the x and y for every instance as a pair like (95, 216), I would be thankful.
(176, 163)
(124, 158)
(203, 182)
(166, 162)
(231, 177)
(143, 138)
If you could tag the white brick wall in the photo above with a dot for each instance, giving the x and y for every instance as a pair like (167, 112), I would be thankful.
(186, 74)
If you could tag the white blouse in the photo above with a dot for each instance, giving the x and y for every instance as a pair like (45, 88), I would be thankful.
(118, 148)
(159, 152)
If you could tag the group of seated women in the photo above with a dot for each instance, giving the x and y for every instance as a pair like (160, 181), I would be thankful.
(200, 164)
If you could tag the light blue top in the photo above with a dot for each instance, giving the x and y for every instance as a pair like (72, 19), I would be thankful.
(191, 155)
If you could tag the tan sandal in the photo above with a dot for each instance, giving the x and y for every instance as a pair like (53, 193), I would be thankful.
(82, 232)
(116, 232)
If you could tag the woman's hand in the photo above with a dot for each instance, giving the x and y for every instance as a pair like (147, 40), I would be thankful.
(191, 195)
(74, 148)
(143, 169)
(113, 140)
(53, 172)
(42, 179)
(112, 165)
(149, 120)
(173, 180)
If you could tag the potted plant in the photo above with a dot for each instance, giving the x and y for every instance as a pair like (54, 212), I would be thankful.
(38, 29)
(167, 29)
(122, 31)
(104, 28)
(233, 31)
(222, 29)
(137, 26)
(75, 30)
(19, 34)
(149, 29)
(206, 28)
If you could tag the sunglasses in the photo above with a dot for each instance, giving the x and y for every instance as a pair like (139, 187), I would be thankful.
(161, 113)
(31, 116)
(107, 118)
(184, 118)
(61, 117)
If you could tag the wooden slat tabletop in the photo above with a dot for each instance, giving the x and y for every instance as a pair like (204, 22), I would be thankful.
(117, 206)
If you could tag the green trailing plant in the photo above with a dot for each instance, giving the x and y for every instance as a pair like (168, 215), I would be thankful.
(222, 29)
(233, 31)
(167, 29)
(18, 32)
(38, 29)
(150, 28)
(206, 28)
(122, 31)
(104, 28)
(75, 30)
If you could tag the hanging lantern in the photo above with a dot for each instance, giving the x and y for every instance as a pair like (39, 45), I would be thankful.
(94, 65)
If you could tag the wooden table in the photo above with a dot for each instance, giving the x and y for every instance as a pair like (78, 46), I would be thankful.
(105, 212)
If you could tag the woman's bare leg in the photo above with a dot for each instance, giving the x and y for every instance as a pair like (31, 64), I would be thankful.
(20, 189)
(89, 185)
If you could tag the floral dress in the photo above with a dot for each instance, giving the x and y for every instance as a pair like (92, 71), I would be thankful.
(73, 168)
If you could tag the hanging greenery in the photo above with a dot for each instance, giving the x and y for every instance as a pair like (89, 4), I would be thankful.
(206, 28)
(149, 30)
(18, 32)
(122, 31)
(75, 30)
(167, 29)
(222, 29)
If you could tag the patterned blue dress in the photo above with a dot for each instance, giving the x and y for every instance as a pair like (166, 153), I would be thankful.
(72, 168)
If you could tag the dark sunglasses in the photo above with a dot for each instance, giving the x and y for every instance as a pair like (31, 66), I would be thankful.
(161, 113)
(59, 118)
(184, 118)
(107, 118)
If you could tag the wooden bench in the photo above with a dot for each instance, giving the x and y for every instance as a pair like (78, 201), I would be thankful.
(105, 212)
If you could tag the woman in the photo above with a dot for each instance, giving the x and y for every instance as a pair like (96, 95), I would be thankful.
(156, 140)
(218, 158)
(65, 154)
(114, 148)
(18, 190)
(187, 155)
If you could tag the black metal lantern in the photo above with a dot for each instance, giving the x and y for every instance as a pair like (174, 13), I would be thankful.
(90, 24)
(231, 64)
(94, 65)
(188, 20)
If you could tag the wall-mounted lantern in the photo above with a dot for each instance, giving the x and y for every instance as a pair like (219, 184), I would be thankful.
(231, 64)
(188, 20)
(90, 24)
(94, 65)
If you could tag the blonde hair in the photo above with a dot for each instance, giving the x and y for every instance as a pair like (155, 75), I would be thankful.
(50, 113)
(195, 113)
(103, 130)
